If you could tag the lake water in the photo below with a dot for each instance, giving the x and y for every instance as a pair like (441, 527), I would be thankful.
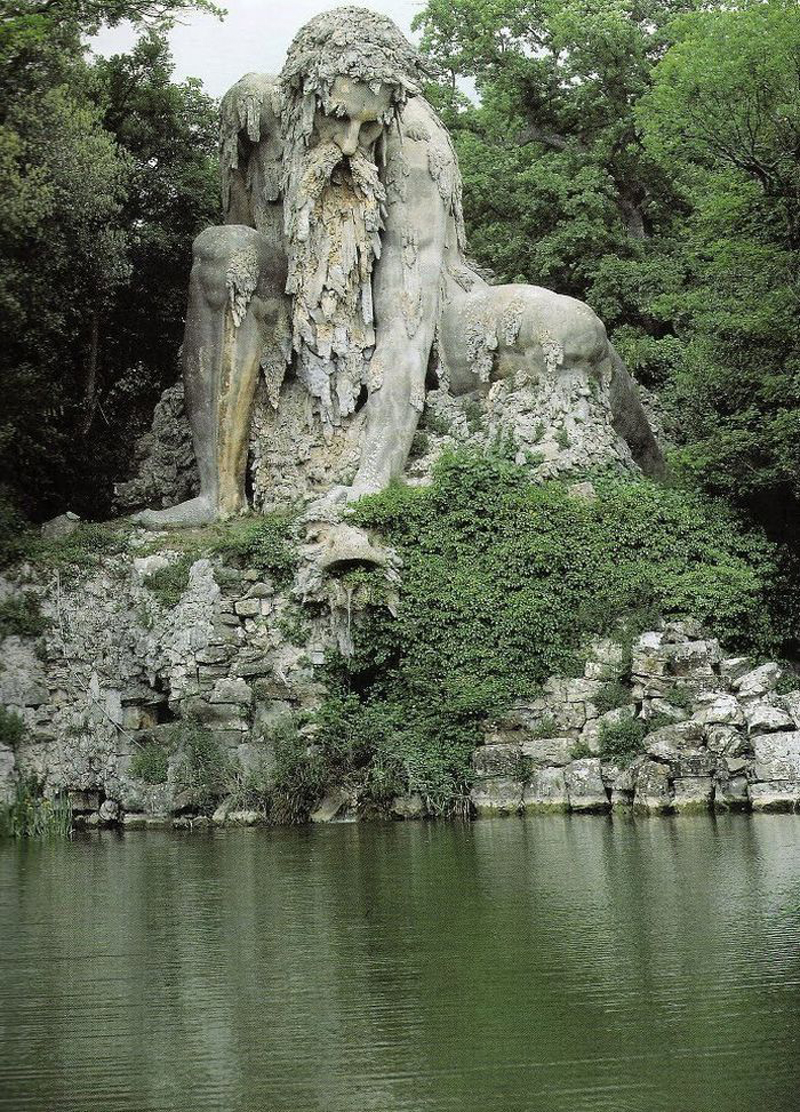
(551, 963)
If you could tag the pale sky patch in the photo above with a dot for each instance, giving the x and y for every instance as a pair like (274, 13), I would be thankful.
(254, 37)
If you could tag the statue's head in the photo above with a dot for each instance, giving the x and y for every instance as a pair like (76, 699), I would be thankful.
(347, 75)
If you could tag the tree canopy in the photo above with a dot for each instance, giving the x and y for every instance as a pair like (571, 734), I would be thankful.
(107, 170)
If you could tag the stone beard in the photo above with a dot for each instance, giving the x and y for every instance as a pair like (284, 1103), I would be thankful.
(335, 208)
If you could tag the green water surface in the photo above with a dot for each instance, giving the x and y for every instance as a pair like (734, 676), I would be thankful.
(553, 963)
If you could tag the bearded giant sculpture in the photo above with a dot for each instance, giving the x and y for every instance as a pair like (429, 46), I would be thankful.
(341, 270)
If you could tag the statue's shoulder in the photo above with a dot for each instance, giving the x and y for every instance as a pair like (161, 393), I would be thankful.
(252, 105)
(419, 122)
(250, 141)
(423, 132)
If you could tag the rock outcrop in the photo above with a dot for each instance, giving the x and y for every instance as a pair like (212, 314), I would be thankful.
(672, 724)
(704, 731)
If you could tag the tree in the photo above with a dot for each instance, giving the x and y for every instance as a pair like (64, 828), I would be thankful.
(106, 173)
(558, 83)
(724, 112)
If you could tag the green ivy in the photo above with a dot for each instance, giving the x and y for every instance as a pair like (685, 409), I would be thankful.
(503, 580)
(21, 615)
(150, 763)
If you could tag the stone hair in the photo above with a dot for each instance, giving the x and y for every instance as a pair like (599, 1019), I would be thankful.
(349, 42)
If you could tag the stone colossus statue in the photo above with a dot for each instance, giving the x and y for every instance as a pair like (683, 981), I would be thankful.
(342, 263)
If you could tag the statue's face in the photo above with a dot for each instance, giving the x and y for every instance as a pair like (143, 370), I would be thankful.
(353, 119)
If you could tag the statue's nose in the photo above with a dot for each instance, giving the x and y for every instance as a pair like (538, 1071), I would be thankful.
(348, 140)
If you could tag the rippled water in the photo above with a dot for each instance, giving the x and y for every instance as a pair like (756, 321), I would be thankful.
(546, 964)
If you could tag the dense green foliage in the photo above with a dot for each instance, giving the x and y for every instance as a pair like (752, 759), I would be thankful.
(31, 814)
(622, 741)
(503, 582)
(12, 728)
(21, 616)
(107, 172)
(643, 155)
(203, 769)
(150, 762)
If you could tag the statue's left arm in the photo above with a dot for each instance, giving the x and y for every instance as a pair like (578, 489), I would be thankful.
(406, 290)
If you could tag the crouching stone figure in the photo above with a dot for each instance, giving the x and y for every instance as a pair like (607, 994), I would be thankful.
(341, 262)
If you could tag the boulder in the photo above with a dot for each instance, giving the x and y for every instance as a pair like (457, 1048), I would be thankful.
(546, 790)
(668, 742)
(775, 796)
(245, 818)
(680, 631)
(585, 788)
(724, 739)
(220, 816)
(791, 704)
(504, 759)
(718, 709)
(496, 795)
(652, 790)
(231, 690)
(764, 718)
(333, 806)
(622, 782)
(758, 682)
(701, 762)
(61, 526)
(408, 806)
(548, 750)
(731, 794)
(734, 667)
(109, 811)
(777, 756)
(693, 793)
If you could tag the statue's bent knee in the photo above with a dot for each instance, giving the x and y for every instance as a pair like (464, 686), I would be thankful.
(231, 256)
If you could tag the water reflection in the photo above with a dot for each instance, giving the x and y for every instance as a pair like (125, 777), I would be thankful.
(552, 963)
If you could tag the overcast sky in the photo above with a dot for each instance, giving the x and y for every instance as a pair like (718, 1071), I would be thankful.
(254, 36)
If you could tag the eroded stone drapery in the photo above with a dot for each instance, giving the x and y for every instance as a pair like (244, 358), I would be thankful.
(333, 224)
(333, 210)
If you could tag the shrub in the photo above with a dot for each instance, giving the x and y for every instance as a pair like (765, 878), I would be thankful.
(680, 697)
(70, 555)
(12, 728)
(787, 683)
(437, 423)
(300, 776)
(621, 741)
(611, 696)
(31, 815)
(474, 415)
(420, 445)
(150, 763)
(20, 615)
(580, 750)
(168, 584)
(546, 728)
(266, 543)
(503, 580)
(204, 769)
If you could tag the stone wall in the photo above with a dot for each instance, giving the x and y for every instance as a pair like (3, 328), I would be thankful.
(717, 734)
(117, 669)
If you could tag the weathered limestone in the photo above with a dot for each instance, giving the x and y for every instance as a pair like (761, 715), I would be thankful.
(733, 745)
(585, 788)
(339, 278)
(116, 672)
(545, 790)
